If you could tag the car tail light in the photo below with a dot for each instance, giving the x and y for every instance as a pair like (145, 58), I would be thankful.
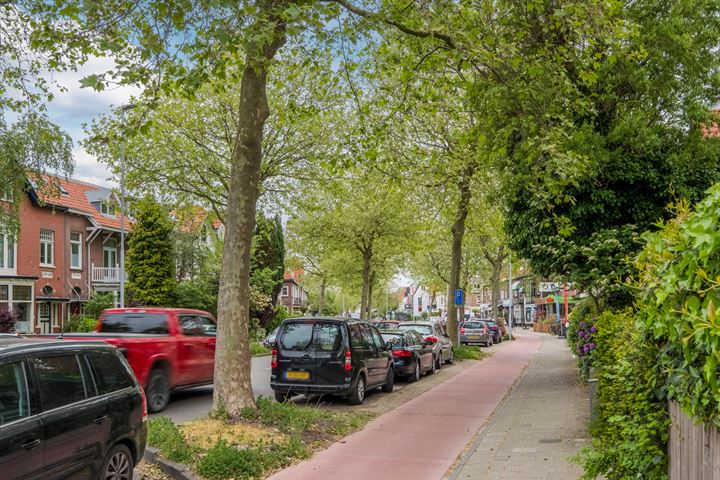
(462, 329)
(402, 353)
(348, 361)
(273, 361)
(432, 339)
(144, 405)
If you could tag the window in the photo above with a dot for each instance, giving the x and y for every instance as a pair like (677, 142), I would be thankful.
(14, 400)
(106, 208)
(328, 337)
(7, 252)
(146, 323)
(197, 326)
(111, 375)
(367, 337)
(60, 380)
(110, 253)
(19, 299)
(296, 336)
(356, 337)
(394, 339)
(47, 244)
(422, 329)
(75, 250)
(285, 291)
(377, 339)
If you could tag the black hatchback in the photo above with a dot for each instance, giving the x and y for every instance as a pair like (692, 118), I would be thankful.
(330, 355)
(68, 410)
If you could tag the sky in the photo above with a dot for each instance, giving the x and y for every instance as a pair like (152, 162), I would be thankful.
(77, 106)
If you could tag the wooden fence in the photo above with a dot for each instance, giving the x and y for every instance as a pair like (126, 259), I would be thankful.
(694, 449)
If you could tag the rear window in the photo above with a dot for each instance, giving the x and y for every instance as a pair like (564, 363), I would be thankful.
(423, 329)
(299, 337)
(474, 325)
(393, 339)
(145, 323)
(328, 337)
(110, 374)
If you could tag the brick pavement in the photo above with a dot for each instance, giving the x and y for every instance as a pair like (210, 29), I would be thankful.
(538, 426)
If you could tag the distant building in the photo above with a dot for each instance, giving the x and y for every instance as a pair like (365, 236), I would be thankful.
(293, 295)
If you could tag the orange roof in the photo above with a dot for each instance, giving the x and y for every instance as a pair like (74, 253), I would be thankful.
(75, 198)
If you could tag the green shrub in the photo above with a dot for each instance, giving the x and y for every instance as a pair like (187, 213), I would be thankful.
(98, 302)
(165, 435)
(226, 461)
(629, 438)
(80, 324)
(257, 348)
(467, 352)
(679, 297)
(196, 293)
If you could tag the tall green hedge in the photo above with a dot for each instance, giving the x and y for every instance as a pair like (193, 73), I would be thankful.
(678, 297)
(630, 436)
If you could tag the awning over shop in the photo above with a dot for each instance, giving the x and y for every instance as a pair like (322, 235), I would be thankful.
(561, 299)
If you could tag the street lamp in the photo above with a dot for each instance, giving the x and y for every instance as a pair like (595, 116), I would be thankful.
(123, 109)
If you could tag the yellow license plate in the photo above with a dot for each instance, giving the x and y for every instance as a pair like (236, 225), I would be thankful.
(297, 375)
(473, 336)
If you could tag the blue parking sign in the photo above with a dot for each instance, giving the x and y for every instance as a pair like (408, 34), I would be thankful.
(458, 296)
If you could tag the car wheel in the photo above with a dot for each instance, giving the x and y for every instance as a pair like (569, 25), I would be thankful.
(281, 397)
(389, 381)
(451, 359)
(358, 393)
(438, 363)
(415, 376)
(158, 390)
(118, 464)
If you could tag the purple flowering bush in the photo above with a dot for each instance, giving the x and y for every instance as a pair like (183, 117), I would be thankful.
(8, 319)
(585, 344)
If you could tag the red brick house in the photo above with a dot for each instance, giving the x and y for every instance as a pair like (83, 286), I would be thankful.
(293, 295)
(68, 246)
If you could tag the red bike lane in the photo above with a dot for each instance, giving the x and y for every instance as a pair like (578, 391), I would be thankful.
(422, 438)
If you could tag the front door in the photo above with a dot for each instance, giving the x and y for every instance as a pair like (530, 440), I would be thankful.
(21, 435)
(45, 317)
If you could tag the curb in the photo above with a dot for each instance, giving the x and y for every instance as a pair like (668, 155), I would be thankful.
(176, 471)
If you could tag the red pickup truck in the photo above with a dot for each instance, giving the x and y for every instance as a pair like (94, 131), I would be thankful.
(168, 348)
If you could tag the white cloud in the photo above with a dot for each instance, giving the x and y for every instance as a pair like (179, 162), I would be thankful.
(76, 106)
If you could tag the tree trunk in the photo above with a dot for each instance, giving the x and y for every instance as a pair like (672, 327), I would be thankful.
(496, 262)
(321, 302)
(368, 314)
(458, 233)
(367, 267)
(233, 388)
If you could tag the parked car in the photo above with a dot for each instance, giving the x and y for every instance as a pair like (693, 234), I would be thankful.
(386, 324)
(412, 354)
(475, 331)
(68, 410)
(330, 355)
(167, 348)
(433, 332)
(270, 339)
(497, 334)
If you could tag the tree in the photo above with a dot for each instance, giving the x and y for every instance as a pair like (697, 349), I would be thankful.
(267, 264)
(151, 255)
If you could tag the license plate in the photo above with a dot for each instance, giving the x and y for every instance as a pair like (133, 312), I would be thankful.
(297, 375)
(473, 336)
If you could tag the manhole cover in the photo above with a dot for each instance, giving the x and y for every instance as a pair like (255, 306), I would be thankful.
(551, 440)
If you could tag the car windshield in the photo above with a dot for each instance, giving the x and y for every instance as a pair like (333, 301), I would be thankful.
(420, 328)
(473, 325)
(393, 339)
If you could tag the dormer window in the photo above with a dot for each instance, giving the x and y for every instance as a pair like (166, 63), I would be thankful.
(107, 209)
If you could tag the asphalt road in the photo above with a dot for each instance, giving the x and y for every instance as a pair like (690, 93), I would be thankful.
(196, 402)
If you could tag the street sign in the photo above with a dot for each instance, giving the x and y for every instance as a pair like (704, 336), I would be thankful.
(458, 296)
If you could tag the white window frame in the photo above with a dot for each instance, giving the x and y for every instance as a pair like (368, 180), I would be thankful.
(107, 209)
(9, 252)
(79, 244)
(47, 246)
(285, 291)
(11, 301)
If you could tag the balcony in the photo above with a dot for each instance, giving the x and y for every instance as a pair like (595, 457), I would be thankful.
(106, 275)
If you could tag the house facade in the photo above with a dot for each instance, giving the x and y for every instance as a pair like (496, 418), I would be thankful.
(293, 295)
(67, 247)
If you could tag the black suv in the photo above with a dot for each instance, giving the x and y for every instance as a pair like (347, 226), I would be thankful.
(68, 410)
(330, 355)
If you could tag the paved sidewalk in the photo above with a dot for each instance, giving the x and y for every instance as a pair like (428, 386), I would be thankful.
(422, 438)
(541, 424)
